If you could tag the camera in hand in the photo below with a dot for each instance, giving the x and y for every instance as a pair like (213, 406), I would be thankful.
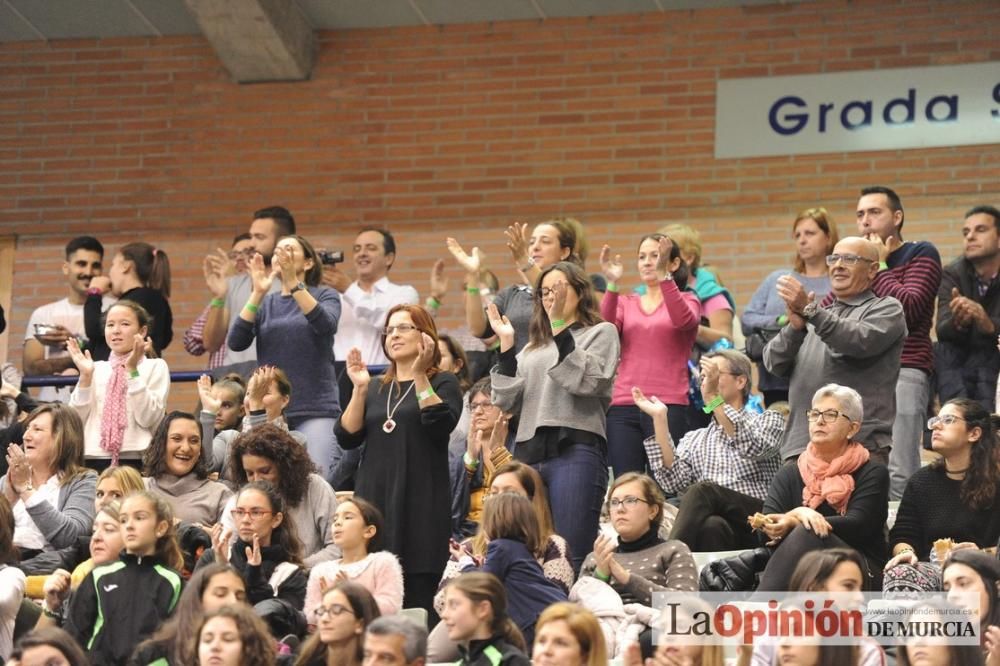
(328, 258)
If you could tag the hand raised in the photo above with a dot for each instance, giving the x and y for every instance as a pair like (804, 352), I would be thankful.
(260, 275)
(221, 541)
(501, 326)
(81, 359)
(215, 268)
(138, 352)
(612, 269)
(663, 259)
(253, 552)
(651, 405)
(209, 402)
(357, 371)
(439, 283)
(517, 243)
(472, 264)
(425, 355)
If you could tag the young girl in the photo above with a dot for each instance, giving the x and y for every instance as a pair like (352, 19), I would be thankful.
(357, 531)
(347, 609)
(475, 613)
(230, 392)
(209, 589)
(234, 636)
(119, 604)
(268, 555)
(511, 527)
(120, 400)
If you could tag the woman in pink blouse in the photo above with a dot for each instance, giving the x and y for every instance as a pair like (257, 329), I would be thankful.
(658, 330)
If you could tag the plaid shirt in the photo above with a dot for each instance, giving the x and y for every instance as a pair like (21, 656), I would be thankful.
(194, 341)
(745, 463)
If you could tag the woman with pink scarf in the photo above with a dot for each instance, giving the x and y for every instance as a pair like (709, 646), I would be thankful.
(832, 497)
(120, 400)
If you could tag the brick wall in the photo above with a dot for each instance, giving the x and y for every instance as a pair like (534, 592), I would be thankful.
(459, 130)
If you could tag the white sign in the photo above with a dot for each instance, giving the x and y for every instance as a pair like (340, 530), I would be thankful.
(883, 109)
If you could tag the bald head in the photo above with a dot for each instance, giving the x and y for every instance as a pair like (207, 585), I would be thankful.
(848, 281)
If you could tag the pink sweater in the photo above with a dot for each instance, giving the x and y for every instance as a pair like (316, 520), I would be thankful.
(379, 572)
(656, 346)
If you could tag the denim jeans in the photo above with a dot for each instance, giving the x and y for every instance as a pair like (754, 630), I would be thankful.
(320, 442)
(576, 481)
(628, 426)
(912, 395)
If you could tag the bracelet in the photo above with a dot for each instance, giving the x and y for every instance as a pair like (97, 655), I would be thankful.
(133, 374)
(250, 307)
(426, 393)
(558, 323)
(612, 287)
(781, 320)
(882, 266)
(528, 266)
(218, 303)
(472, 290)
(495, 346)
(432, 303)
(603, 577)
(712, 404)
(908, 549)
(469, 462)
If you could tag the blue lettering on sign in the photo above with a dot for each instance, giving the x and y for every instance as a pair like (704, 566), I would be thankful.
(798, 120)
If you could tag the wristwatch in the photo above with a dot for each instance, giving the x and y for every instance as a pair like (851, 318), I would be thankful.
(810, 310)
(299, 287)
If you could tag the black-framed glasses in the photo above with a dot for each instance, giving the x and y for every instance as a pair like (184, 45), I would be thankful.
(846, 259)
(828, 416)
(944, 419)
(255, 514)
(629, 501)
(402, 328)
(333, 610)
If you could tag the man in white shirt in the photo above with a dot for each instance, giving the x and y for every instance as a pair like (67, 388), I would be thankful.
(52, 324)
(368, 299)
(229, 295)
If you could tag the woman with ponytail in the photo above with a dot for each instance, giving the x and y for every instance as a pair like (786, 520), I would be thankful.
(475, 613)
(139, 273)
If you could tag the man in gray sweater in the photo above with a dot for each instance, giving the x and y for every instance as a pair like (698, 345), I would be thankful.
(855, 341)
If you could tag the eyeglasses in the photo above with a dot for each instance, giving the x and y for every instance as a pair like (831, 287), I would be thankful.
(402, 328)
(944, 419)
(476, 406)
(846, 259)
(333, 610)
(829, 416)
(629, 501)
(255, 514)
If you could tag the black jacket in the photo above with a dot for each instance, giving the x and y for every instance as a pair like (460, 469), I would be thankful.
(493, 652)
(120, 604)
(292, 590)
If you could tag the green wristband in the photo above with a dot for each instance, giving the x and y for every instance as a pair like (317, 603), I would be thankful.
(218, 303)
(781, 320)
(250, 307)
(612, 287)
(432, 303)
(495, 346)
(427, 393)
(469, 462)
(472, 290)
(882, 266)
(558, 323)
(712, 404)
(133, 374)
(605, 577)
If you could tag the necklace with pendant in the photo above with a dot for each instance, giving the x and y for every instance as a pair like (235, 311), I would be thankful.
(389, 424)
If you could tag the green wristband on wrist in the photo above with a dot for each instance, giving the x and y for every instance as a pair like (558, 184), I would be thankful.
(781, 320)
(882, 266)
(432, 303)
(133, 374)
(612, 287)
(426, 393)
(218, 303)
(250, 307)
(472, 290)
(558, 323)
(469, 462)
(603, 577)
(712, 404)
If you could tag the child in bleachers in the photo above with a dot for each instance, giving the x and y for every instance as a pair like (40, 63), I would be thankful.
(346, 610)
(475, 613)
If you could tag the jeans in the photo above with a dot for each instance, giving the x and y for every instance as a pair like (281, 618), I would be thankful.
(628, 426)
(576, 481)
(912, 395)
(713, 518)
(320, 442)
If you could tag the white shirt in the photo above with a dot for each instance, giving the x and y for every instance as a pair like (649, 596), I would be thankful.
(363, 318)
(26, 534)
(11, 594)
(59, 313)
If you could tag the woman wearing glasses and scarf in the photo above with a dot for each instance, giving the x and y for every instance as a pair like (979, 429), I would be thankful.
(949, 504)
(834, 496)
(404, 419)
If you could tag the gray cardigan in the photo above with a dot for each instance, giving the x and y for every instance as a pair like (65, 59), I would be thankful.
(574, 393)
(62, 525)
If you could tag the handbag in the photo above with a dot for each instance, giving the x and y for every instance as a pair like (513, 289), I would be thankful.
(756, 341)
(735, 574)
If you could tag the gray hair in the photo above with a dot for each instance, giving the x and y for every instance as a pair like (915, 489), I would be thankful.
(414, 635)
(847, 398)
(739, 364)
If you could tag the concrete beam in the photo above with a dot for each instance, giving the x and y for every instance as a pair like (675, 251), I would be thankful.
(258, 40)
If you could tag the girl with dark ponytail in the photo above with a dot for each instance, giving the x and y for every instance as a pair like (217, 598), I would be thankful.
(475, 613)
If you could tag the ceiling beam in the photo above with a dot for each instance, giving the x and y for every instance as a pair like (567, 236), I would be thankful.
(258, 40)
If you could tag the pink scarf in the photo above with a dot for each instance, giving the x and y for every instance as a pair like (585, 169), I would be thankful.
(830, 481)
(114, 418)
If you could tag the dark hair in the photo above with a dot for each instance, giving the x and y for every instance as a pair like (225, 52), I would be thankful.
(314, 274)
(512, 516)
(363, 606)
(425, 324)
(141, 315)
(987, 568)
(894, 202)
(90, 244)
(285, 534)
(287, 453)
(540, 328)
(815, 568)
(571, 237)
(283, 220)
(168, 550)
(822, 218)
(388, 242)
(154, 458)
(67, 434)
(152, 266)
(458, 353)
(985, 210)
(480, 587)
(172, 636)
(980, 482)
(241, 237)
(9, 553)
(958, 655)
(681, 275)
(483, 385)
(52, 637)
(258, 647)
(372, 517)
(650, 492)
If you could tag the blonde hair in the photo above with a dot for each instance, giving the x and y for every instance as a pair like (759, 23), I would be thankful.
(127, 478)
(687, 239)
